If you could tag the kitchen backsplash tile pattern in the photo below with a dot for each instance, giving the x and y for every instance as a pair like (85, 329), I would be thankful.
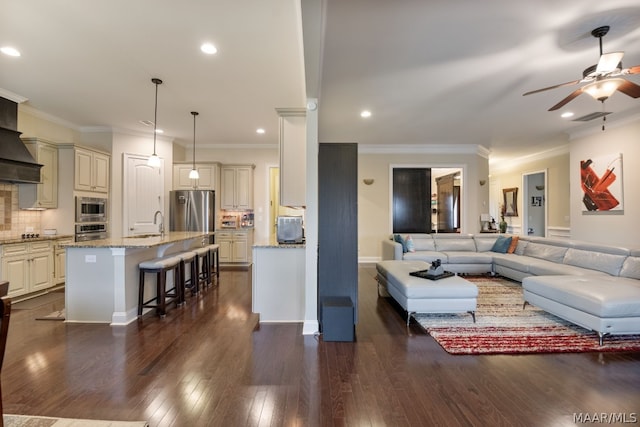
(14, 221)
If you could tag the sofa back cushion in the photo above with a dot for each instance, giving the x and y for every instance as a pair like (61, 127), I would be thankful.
(520, 247)
(548, 252)
(423, 242)
(599, 261)
(460, 243)
(631, 268)
(484, 244)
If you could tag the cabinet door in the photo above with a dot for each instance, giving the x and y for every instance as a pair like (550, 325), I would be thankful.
(15, 269)
(83, 170)
(181, 180)
(240, 247)
(100, 173)
(207, 179)
(40, 273)
(224, 251)
(59, 266)
(48, 190)
(244, 188)
(228, 197)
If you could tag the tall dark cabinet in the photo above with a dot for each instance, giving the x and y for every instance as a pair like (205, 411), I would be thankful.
(338, 240)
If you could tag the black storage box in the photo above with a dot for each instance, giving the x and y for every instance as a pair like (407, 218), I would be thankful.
(337, 319)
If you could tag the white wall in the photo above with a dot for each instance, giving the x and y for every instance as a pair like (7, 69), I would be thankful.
(618, 229)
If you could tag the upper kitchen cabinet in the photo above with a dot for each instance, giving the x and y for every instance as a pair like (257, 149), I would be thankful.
(45, 194)
(293, 154)
(91, 171)
(208, 176)
(237, 187)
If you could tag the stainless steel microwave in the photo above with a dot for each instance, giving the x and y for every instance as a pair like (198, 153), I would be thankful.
(91, 209)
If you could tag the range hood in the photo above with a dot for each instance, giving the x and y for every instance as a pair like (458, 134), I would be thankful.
(16, 162)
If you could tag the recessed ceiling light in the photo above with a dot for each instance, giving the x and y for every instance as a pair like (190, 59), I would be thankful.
(566, 115)
(208, 48)
(260, 131)
(365, 114)
(11, 51)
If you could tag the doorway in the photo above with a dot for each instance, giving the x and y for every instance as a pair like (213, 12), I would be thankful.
(534, 203)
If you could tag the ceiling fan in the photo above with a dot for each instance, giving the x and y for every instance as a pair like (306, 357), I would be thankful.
(602, 79)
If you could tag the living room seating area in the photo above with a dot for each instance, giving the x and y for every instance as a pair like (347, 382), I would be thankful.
(592, 285)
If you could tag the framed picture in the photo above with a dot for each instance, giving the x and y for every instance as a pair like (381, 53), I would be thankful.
(601, 184)
(510, 206)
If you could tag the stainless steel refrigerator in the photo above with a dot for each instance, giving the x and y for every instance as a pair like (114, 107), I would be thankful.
(192, 210)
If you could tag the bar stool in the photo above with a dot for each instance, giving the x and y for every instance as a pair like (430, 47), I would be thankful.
(188, 257)
(214, 257)
(203, 264)
(161, 267)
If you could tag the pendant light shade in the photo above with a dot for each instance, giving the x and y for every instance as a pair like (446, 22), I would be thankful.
(194, 172)
(154, 160)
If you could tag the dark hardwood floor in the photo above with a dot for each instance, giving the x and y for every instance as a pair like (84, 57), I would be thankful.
(211, 364)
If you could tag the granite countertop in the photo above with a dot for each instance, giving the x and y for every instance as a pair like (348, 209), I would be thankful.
(142, 241)
(273, 243)
(20, 239)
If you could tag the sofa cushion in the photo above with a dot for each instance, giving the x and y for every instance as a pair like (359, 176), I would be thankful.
(513, 245)
(453, 244)
(423, 242)
(599, 261)
(501, 245)
(512, 261)
(542, 267)
(466, 257)
(601, 295)
(631, 268)
(520, 247)
(547, 252)
(484, 244)
(427, 256)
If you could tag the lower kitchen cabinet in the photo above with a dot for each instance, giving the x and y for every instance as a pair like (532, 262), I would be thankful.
(59, 260)
(235, 246)
(28, 266)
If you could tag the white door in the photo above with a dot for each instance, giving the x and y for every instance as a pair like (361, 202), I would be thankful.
(143, 188)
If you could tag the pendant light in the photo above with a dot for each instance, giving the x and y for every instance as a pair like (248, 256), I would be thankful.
(194, 172)
(154, 160)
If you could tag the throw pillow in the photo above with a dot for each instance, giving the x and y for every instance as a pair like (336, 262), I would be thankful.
(513, 245)
(410, 246)
(501, 245)
(398, 238)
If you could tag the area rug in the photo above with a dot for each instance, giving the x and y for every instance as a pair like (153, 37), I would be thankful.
(503, 327)
(37, 421)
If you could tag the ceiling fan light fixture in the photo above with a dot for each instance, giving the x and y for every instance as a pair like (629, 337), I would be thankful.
(602, 89)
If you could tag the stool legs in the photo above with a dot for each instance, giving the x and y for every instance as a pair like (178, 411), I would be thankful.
(159, 302)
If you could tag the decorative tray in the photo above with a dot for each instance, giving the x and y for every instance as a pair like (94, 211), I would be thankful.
(424, 274)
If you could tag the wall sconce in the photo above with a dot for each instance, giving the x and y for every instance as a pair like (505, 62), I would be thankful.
(483, 182)
(539, 187)
(368, 181)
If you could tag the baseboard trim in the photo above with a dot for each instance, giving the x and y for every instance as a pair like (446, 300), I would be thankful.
(310, 327)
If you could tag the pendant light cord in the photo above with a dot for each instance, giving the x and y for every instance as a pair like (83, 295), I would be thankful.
(195, 113)
(155, 114)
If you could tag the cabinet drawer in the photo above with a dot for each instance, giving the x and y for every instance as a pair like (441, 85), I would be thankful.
(15, 249)
(41, 246)
(227, 235)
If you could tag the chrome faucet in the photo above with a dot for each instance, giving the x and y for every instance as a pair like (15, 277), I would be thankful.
(155, 219)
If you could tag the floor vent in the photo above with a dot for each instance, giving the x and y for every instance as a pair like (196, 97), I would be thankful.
(592, 116)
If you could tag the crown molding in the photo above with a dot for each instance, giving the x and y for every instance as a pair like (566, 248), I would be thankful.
(424, 149)
(19, 99)
(541, 155)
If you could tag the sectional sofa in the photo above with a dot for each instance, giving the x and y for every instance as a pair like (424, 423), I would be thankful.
(592, 285)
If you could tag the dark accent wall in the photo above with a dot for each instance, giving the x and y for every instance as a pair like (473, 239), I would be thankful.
(338, 223)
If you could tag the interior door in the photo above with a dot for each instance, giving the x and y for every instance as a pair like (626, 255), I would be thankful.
(412, 200)
(143, 189)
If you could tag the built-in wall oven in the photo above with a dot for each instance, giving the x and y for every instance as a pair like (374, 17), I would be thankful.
(91, 209)
(93, 231)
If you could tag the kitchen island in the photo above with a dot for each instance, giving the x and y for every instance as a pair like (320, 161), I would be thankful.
(278, 283)
(102, 275)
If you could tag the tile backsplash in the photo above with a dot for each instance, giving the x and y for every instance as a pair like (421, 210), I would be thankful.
(14, 221)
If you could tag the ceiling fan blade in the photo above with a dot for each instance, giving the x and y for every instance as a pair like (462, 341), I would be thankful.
(566, 100)
(552, 87)
(633, 70)
(630, 88)
(609, 62)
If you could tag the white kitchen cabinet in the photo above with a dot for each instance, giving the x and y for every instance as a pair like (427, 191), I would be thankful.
(237, 187)
(45, 194)
(235, 246)
(91, 171)
(293, 155)
(27, 266)
(59, 260)
(207, 180)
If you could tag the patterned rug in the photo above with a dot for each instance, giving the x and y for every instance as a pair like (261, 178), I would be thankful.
(37, 421)
(503, 327)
